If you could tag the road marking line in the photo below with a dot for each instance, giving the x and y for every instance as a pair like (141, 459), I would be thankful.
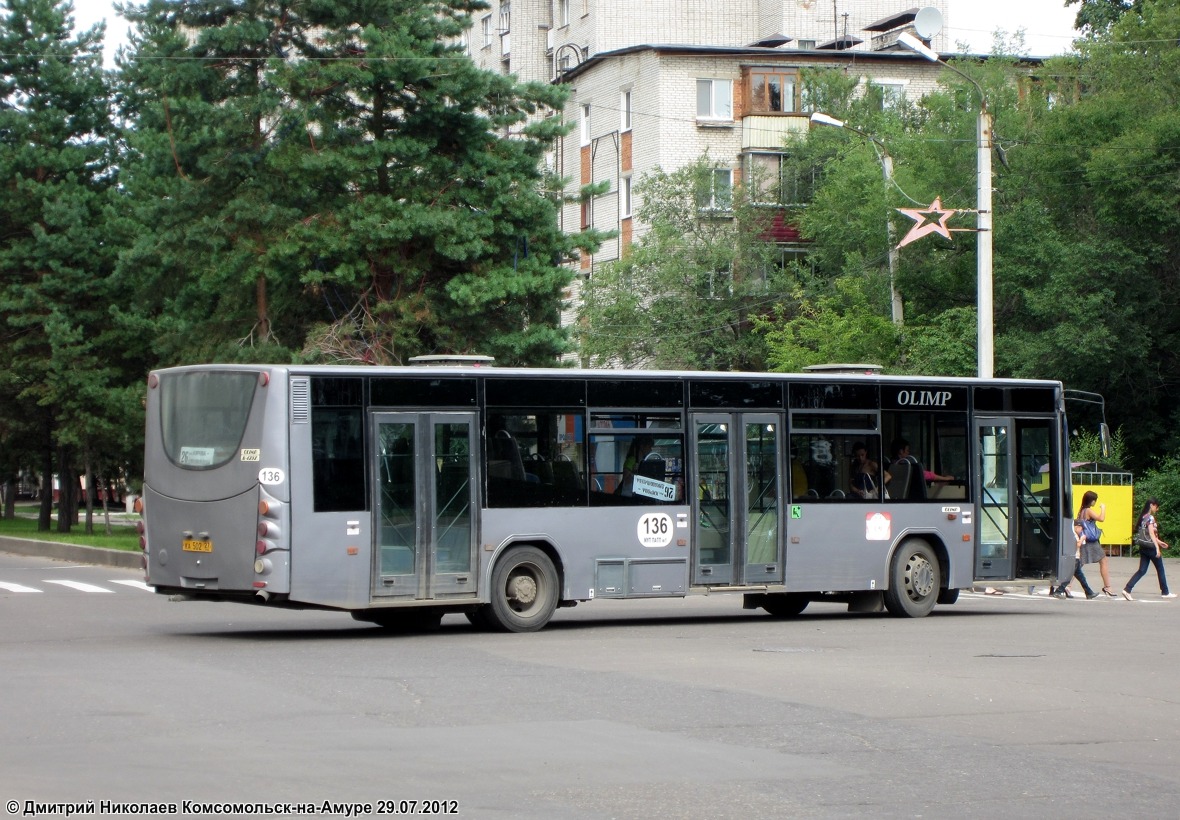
(81, 587)
(133, 583)
(17, 588)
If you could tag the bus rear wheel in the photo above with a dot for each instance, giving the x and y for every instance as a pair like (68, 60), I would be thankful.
(524, 591)
(913, 580)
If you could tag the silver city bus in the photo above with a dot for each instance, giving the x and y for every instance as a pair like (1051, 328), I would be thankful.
(399, 494)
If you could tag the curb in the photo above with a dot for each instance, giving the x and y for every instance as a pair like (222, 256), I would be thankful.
(75, 553)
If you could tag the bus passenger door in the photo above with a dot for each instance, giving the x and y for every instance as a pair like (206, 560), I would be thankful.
(1018, 487)
(425, 506)
(737, 504)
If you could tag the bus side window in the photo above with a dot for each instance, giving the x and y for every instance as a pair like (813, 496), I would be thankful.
(535, 459)
(637, 468)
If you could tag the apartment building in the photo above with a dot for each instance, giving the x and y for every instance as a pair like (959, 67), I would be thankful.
(663, 82)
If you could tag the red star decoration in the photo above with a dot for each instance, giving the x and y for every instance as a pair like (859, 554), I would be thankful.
(927, 220)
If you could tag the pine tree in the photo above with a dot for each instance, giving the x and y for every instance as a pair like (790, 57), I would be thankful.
(62, 370)
(337, 180)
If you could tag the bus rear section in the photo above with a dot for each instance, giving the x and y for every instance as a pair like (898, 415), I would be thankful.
(215, 483)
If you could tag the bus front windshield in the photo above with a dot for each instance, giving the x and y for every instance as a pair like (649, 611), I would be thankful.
(203, 416)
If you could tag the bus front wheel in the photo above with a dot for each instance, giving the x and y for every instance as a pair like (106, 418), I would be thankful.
(913, 580)
(524, 591)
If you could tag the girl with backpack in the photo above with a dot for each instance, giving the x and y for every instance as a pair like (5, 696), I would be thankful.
(1148, 540)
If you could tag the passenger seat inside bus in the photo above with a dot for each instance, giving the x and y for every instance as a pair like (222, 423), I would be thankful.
(504, 459)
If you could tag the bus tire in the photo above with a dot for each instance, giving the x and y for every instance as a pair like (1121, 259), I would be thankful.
(426, 619)
(913, 580)
(524, 591)
(784, 604)
(481, 617)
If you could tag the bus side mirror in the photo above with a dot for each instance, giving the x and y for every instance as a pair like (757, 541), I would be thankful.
(1104, 438)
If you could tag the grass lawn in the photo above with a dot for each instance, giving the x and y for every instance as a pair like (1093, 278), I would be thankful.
(124, 538)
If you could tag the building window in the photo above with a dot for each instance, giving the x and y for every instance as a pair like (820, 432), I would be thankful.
(563, 12)
(773, 179)
(584, 126)
(715, 99)
(887, 95)
(719, 284)
(625, 197)
(485, 27)
(773, 92)
(625, 111)
(716, 192)
(505, 28)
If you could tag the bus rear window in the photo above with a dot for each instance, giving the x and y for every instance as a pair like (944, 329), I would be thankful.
(203, 416)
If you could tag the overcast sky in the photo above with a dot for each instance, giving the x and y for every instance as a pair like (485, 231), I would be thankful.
(1048, 24)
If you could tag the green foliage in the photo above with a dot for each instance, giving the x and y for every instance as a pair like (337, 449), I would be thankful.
(1098, 16)
(66, 372)
(121, 538)
(839, 327)
(1086, 446)
(1163, 484)
(335, 181)
(685, 295)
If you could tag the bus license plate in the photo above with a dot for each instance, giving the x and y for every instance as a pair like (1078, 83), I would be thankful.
(192, 545)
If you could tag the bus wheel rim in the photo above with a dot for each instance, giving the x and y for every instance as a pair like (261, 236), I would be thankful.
(522, 589)
(919, 577)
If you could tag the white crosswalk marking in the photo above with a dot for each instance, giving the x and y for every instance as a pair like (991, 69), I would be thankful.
(78, 585)
(133, 583)
(16, 587)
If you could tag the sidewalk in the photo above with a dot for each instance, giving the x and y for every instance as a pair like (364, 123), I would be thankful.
(1121, 570)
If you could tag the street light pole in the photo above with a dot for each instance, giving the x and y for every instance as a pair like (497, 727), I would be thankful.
(983, 213)
(895, 303)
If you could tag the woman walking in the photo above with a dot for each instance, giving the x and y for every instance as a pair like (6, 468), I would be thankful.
(1147, 538)
(1092, 550)
(1063, 590)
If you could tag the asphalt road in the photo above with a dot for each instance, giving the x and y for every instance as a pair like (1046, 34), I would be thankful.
(1016, 705)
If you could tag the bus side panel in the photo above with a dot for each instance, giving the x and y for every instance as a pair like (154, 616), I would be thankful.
(599, 548)
(331, 552)
(847, 545)
(331, 558)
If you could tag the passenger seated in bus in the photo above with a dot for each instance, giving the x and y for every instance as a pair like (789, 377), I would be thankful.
(641, 447)
(866, 480)
(906, 480)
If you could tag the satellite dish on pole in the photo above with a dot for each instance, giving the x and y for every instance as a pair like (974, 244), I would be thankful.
(928, 22)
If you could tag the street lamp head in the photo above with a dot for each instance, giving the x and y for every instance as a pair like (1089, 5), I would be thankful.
(909, 41)
(820, 118)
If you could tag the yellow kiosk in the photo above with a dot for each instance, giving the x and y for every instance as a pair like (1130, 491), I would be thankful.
(1115, 489)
